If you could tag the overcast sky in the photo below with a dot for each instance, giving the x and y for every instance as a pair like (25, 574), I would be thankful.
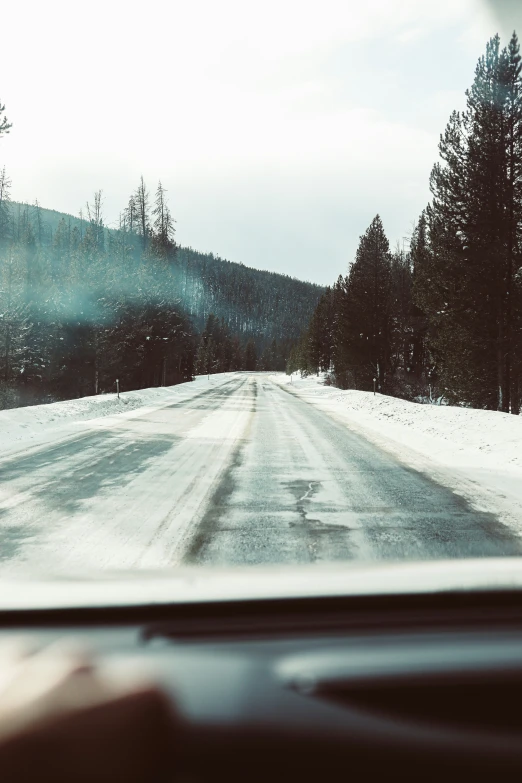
(278, 128)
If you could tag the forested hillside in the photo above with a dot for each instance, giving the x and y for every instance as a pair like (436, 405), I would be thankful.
(259, 304)
(82, 304)
(443, 319)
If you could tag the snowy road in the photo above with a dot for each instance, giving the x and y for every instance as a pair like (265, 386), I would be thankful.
(243, 472)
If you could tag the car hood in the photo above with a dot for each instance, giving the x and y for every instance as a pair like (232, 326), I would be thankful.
(208, 585)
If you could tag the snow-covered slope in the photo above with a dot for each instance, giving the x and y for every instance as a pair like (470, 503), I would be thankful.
(478, 453)
(32, 426)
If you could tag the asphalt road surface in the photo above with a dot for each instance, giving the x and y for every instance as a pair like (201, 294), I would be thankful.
(243, 473)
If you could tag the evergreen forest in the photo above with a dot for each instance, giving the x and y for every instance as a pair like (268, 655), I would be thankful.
(441, 319)
(82, 305)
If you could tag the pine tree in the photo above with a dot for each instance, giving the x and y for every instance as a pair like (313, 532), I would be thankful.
(14, 318)
(95, 216)
(401, 327)
(368, 303)
(511, 348)
(341, 331)
(141, 206)
(5, 126)
(163, 227)
(474, 235)
(38, 223)
(5, 211)
(320, 335)
(421, 360)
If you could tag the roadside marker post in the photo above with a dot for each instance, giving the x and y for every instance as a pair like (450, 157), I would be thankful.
(118, 387)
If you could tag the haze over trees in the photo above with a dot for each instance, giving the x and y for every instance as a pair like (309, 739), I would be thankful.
(82, 305)
(444, 318)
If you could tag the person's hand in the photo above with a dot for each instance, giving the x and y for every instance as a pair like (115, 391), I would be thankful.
(62, 719)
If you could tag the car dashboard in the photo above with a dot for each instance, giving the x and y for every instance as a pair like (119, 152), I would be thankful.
(308, 688)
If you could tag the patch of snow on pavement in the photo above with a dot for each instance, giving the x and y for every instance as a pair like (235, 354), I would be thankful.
(477, 453)
(36, 425)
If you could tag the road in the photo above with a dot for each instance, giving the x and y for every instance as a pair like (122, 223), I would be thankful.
(243, 473)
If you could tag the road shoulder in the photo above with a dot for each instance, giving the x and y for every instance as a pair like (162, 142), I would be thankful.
(491, 481)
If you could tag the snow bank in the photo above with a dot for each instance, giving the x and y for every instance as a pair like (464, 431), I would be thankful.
(479, 453)
(36, 425)
(442, 432)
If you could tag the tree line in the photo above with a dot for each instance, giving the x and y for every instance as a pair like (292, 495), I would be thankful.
(444, 317)
(82, 305)
(220, 350)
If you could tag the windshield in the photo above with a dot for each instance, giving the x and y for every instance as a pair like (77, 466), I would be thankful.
(260, 284)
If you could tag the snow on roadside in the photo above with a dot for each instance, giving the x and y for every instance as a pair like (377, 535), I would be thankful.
(36, 425)
(478, 453)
